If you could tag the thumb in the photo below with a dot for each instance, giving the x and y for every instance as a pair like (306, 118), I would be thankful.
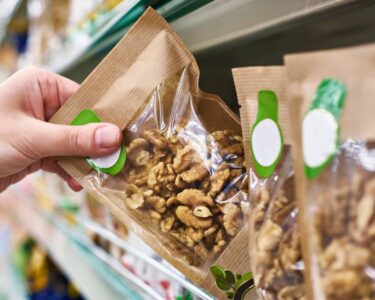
(91, 140)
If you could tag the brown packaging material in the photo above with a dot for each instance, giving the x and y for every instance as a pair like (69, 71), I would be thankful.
(337, 208)
(181, 189)
(275, 252)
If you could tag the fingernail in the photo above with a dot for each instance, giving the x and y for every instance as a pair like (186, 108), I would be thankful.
(107, 136)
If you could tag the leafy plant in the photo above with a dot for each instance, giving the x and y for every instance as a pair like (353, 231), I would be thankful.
(231, 283)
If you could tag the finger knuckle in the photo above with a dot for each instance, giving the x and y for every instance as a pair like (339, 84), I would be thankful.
(75, 139)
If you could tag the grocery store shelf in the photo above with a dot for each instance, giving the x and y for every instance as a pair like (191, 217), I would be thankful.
(211, 24)
(72, 250)
(75, 257)
(204, 28)
(66, 58)
(118, 26)
(108, 235)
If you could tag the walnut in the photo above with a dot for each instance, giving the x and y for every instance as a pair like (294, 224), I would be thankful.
(184, 158)
(138, 176)
(167, 223)
(155, 137)
(269, 236)
(202, 212)
(142, 159)
(210, 230)
(205, 185)
(195, 234)
(365, 210)
(180, 235)
(218, 181)
(196, 173)
(193, 197)
(341, 254)
(179, 183)
(171, 182)
(293, 292)
(171, 201)
(134, 197)
(201, 250)
(345, 285)
(289, 249)
(219, 241)
(232, 218)
(157, 203)
(155, 216)
(160, 152)
(175, 144)
(186, 216)
(228, 144)
(263, 258)
(156, 176)
(170, 175)
(136, 152)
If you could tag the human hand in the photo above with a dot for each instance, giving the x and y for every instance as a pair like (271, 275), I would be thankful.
(28, 99)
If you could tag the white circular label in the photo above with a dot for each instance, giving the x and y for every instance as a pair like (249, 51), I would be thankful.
(319, 134)
(108, 160)
(266, 142)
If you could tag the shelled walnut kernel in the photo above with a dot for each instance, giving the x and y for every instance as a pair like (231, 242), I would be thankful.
(177, 183)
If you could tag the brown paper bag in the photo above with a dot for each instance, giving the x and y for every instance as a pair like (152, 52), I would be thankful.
(274, 246)
(182, 187)
(333, 124)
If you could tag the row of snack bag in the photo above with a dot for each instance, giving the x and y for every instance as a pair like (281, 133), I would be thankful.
(289, 206)
(311, 174)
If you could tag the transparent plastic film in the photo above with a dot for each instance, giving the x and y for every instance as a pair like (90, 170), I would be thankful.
(332, 116)
(274, 237)
(340, 208)
(184, 178)
(183, 186)
(275, 249)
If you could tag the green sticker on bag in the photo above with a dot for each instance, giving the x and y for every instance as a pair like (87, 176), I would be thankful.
(266, 141)
(320, 129)
(110, 164)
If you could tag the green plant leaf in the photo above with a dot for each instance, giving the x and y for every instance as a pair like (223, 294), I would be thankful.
(222, 284)
(218, 272)
(229, 276)
(244, 278)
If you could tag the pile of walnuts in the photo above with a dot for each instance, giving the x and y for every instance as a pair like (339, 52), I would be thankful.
(181, 182)
(344, 237)
(277, 253)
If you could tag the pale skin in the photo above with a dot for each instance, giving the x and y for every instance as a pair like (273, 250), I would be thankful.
(28, 143)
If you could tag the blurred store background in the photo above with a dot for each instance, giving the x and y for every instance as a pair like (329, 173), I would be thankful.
(74, 248)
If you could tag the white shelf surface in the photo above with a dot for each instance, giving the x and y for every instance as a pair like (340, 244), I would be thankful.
(223, 21)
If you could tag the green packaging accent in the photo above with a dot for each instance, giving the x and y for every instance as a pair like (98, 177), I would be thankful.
(234, 286)
(88, 116)
(266, 141)
(320, 129)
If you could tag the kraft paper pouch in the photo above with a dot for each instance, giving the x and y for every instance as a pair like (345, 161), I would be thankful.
(274, 247)
(332, 111)
(179, 179)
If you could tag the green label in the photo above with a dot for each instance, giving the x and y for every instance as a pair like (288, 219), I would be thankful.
(320, 130)
(110, 164)
(266, 141)
(234, 286)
